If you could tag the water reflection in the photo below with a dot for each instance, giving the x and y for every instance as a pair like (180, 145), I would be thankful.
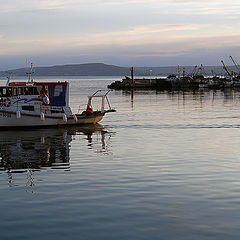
(41, 148)
(228, 95)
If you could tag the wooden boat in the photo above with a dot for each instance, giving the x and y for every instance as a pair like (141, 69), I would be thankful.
(30, 104)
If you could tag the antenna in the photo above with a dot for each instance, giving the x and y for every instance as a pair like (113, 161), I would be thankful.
(8, 78)
(26, 66)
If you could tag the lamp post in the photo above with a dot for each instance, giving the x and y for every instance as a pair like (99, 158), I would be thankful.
(150, 77)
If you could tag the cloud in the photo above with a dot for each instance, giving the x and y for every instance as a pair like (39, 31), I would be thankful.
(140, 28)
(196, 36)
(23, 5)
(204, 7)
(138, 34)
(33, 5)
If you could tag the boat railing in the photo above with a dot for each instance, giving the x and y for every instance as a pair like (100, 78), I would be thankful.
(101, 94)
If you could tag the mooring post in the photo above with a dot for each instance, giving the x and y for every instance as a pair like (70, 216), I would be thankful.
(132, 75)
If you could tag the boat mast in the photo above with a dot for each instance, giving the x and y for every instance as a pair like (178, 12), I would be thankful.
(8, 78)
(179, 71)
(29, 74)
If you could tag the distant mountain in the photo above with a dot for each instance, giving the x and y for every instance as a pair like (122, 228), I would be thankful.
(101, 69)
(89, 69)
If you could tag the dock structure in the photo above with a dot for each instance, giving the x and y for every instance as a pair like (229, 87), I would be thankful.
(141, 83)
(176, 82)
(173, 83)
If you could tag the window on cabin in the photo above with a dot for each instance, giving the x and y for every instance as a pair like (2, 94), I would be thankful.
(15, 93)
(30, 91)
(20, 91)
(4, 92)
(25, 91)
(9, 92)
(35, 91)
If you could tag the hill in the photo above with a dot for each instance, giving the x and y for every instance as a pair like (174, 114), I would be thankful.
(101, 69)
(89, 69)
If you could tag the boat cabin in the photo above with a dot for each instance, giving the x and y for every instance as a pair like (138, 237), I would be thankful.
(58, 92)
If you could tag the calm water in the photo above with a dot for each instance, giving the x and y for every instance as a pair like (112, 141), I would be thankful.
(164, 166)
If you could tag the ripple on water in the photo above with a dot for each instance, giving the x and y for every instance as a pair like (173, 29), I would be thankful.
(165, 166)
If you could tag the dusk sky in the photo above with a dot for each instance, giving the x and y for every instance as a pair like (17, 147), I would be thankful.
(119, 32)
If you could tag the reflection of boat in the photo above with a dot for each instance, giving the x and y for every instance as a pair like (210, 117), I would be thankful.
(40, 148)
(32, 103)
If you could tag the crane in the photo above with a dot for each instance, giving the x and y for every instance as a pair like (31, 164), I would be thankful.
(200, 70)
(212, 72)
(194, 71)
(179, 71)
(235, 63)
(225, 68)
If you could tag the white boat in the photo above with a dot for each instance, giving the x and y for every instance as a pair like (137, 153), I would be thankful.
(33, 103)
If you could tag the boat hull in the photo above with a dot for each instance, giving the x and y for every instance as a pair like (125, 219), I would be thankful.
(9, 119)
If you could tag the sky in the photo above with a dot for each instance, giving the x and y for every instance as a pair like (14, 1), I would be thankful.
(119, 32)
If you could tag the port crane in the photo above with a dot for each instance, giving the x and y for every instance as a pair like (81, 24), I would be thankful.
(194, 72)
(200, 71)
(236, 64)
(226, 69)
(213, 74)
(179, 72)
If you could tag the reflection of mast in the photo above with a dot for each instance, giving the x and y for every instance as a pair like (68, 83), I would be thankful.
(132, 97)
(10, 178)
(30, 180)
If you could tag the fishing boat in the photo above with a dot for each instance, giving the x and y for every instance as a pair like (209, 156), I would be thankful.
(33, 103)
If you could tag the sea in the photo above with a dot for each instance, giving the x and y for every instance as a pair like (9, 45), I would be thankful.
(165, 165)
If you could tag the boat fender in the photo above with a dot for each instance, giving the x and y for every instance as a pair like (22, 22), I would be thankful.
(75, 118)
(7, 102)
(18, 114)
(42, 115)
(64, 117)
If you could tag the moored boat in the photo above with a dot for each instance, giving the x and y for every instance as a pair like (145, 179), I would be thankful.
(32, 103)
